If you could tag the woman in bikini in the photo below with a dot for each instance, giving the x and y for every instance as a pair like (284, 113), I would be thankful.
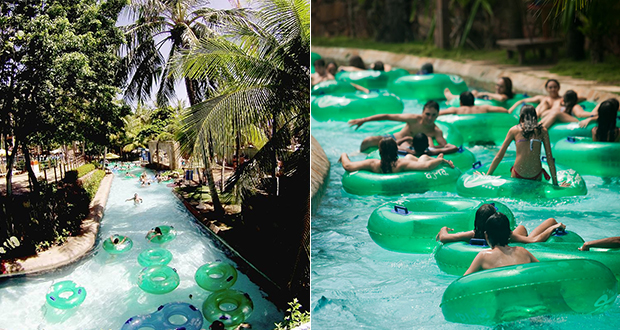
(552, 87)
(606, 114)
(529, 136)
(520, 235)
(503, 91)
(565, 110)
(390, 163)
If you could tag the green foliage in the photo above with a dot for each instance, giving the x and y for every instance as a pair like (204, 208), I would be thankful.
(295, 317)
(92, 184)
(84, 169)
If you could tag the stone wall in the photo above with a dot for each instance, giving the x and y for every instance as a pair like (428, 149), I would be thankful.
(320, 167)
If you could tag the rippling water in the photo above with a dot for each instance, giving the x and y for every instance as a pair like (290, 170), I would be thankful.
(110, 281)
(358, 285)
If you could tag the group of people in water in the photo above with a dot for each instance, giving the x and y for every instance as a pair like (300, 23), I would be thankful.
(421, 138)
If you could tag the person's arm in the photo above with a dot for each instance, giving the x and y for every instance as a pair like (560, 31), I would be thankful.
(542, 237)
(360, 88)
(123, 240)
(350, 166)
(449, 111)
(494, 96)
(444, 235)
(492, 108)
(414, 165)
(550, 160)
(580, 113)
(502, 151)
(386, 116)
(408, 139)
(476, 265)
(349, 68)
(441, 141)
(587, 121)
(447, 149)
(609, 242)
(533, 99)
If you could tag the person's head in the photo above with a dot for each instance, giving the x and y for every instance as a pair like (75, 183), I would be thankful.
(504, 86)
(157, 230)
(467, 99)
(378, 66)
(319, 66)
(553, 87)
(332, 67)
(357, 62)
(420, 143)
(529, 121)
(217, 325)
(570, 100)
(497, 230)
(430, 112)
(427, 68)
(115, 240)
(483, 213)
(135, 195)
(388, 150)
(607, 114)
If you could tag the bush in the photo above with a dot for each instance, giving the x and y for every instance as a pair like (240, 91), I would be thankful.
(92, 184)
(295, 317)
(85, 169)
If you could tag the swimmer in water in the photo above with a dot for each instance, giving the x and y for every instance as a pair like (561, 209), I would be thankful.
(136, 199)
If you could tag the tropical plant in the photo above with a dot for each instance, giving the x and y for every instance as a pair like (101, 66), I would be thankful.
(262, 66)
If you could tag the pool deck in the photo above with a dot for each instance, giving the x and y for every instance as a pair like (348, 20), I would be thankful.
(525, 79)
(74, 249)
(319, 174)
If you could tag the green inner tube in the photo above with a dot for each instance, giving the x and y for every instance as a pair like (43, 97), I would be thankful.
(216, 276)
(353, 106)
(411, 226)
(427, 87)
(500, 184)
(158, 279)
(517, 292)
(231, 307)
(112, 248)
(364, 183)
(332, 87)
(455, 258)
(456, 102)
(371, 79)
(154, 257)
(482, 128)
(167, 234)
(463, 159)
(65, 295)
(313, 57)
(589, 157)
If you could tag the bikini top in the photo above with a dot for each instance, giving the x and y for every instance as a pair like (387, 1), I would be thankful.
(531, 142)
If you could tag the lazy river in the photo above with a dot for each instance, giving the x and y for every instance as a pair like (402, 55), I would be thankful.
(356, 284)
(110, 281)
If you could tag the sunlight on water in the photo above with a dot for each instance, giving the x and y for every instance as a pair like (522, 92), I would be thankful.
(358, 285)
(110, 281)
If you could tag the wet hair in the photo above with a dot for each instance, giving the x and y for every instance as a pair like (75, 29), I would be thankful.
(508, 87)
(570, 99)
(320, 63)
(388, 150)
(217, 325)
(427, 68)
(498, 230)
(482, 214)
(528, 120)
(607, 113)
(115, 240)
(357, 62)
(334, 63)
(432, 105)
(378, 66)
(467, 99)
(420, 143)
(158, 230)
(552, 80)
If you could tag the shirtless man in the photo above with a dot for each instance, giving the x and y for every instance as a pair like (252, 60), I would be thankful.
(424, 123)
(497, 235)
(467, 107)
(321, 74)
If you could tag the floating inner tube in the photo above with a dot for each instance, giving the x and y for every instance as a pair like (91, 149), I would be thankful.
(154, 257)
(158, 279)
(427, 87)
(230, 307)
(160, 319)
(111, 248)
(482, 128)
(65, 295)
(216, 276)
(589, 157)
(371, 79)
(353, 106)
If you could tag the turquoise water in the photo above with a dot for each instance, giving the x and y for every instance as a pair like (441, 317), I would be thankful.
(110, 281)
(355, 284)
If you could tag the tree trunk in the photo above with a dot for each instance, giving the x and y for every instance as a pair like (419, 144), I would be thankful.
(10, 159)
(597, 50)
(515, 19)
(576, 41)
(31, 175)
(215, 199)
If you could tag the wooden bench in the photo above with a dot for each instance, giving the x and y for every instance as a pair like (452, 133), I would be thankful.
(521, 45)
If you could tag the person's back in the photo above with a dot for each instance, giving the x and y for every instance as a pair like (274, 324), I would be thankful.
(468, 107)
(497, 233)
(606, 130)
(527, 159)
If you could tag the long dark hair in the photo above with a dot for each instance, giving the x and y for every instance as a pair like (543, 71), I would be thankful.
(508, 86)
(498, 229)
(357, 62)
(388, 150)
(607, 113)
(570, 100)
(483, 213)
(528, 120)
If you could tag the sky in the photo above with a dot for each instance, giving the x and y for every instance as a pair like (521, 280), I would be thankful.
(179, 86)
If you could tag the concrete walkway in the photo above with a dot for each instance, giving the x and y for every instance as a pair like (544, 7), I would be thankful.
(481, 74)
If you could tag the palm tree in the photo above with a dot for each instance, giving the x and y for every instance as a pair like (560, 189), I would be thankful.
(159, 30)
(262, 66)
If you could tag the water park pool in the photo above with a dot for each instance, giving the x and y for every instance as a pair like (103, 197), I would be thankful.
(110, 280)
(355, 284)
